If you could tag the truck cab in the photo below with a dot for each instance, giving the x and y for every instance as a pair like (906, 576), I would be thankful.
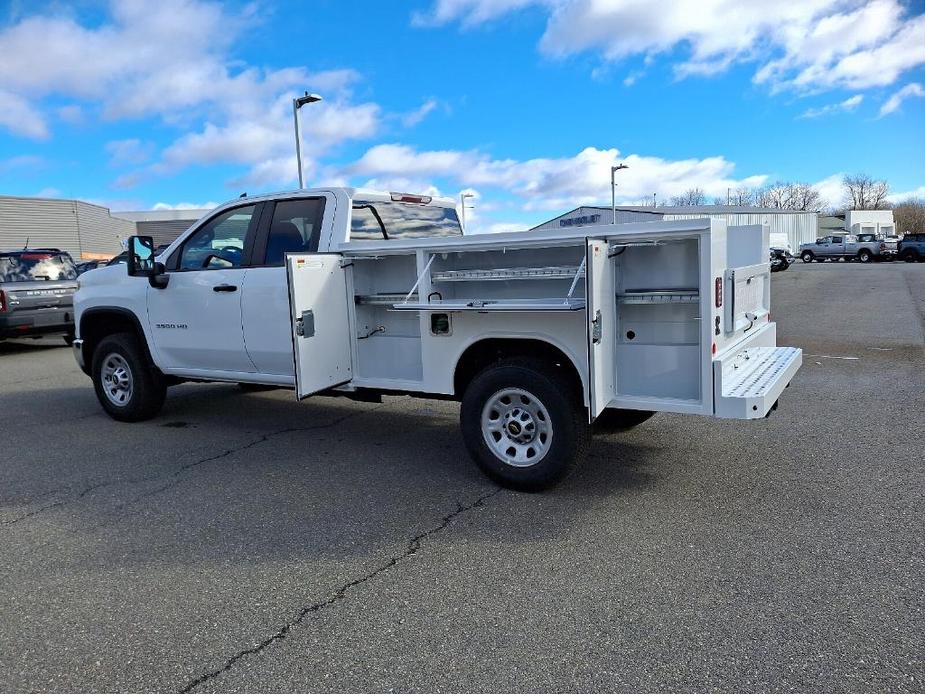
(538, 334)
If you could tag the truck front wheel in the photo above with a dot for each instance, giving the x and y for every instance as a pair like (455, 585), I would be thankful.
(523, 424)
(865, 256)
(807, 256)
(126, 384)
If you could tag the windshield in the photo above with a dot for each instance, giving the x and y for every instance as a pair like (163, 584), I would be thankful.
(401, 221)
(29, 267)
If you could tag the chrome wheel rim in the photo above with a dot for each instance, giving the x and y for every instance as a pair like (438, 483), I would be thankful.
(116, 377)
(516, 427)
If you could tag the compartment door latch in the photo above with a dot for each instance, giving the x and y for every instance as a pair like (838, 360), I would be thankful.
(305, 326)
(596, 329)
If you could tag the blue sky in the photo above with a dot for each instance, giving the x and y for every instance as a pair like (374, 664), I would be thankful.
(525, 103)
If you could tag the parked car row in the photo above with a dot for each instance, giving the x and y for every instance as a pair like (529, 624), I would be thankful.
(864, 248)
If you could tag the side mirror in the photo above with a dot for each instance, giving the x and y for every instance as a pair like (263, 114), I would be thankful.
(140, 261)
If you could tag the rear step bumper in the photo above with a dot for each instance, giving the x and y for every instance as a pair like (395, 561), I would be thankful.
(747, 384)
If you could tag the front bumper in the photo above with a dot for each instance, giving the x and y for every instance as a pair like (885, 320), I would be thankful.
(78, 347)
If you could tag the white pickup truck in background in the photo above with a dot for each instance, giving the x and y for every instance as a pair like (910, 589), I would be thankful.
(538, 334)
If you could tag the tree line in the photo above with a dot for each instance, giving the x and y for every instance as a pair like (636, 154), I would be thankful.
(859, 192)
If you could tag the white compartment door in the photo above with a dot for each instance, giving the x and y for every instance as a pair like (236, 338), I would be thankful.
(320, 321)
(600, 293)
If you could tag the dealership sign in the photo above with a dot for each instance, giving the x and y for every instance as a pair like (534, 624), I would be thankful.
(580, 221)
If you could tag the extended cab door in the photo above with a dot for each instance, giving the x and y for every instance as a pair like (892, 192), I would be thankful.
(600, 299)
(320, 321)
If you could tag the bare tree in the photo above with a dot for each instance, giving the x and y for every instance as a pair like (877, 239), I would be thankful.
(743, 197)
(863, 192)
(784, 195)
(909, 216)
(691, 196)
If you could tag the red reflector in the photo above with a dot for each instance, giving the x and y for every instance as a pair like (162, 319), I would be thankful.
(406, 197)
(714, 348)
(35, 256)
(719, 292)
(2, 302)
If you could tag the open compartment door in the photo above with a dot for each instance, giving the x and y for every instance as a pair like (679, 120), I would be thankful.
(320, 321)
(600, 293)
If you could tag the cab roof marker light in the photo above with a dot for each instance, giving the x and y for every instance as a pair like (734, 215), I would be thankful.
(407, 197)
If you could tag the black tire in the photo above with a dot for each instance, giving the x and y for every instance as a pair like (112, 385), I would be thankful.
(611, 421)
(865, 256)
(547, 392)
(807, 256)
(910, 256)
(69, 339)
(147, 388)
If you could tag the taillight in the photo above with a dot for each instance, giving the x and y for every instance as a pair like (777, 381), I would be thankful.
(2, 302)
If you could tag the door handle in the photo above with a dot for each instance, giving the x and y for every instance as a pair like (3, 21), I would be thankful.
(225, 288)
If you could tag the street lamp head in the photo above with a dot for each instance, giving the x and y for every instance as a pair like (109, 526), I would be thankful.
(300, 101)
(618, 167)
(468, 195)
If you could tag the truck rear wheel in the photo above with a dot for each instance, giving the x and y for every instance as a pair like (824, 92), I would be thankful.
(807, 256)
(126, 385)
(613, 420)
(865, 256)
(523, 424)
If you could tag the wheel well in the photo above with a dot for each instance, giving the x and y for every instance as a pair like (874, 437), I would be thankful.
(492, 350)
(98, 324)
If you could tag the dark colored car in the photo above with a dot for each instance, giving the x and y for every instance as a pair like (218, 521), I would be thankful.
(911, 248)
(87, 265)
(780, 259)
(36, 293)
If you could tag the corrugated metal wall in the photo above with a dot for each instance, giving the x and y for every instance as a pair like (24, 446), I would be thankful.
(163, 232)
(800, 227)
(100, 233)
(45, 223)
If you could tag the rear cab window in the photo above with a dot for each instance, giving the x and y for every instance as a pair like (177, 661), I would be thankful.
(36, 266)
(402, 217)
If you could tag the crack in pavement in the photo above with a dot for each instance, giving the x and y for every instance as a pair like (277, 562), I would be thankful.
(178, 472)
(412, 547)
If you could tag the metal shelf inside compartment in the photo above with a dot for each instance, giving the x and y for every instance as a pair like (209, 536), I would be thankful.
(556, 272)
(660, 296)
(509, 305)
(382, 299)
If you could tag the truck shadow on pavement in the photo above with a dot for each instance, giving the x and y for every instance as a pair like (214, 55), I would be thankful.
(322, 476)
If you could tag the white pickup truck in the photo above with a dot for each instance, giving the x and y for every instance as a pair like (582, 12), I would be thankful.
(539, 334)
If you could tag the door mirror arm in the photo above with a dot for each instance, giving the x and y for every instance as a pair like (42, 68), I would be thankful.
(159, 277)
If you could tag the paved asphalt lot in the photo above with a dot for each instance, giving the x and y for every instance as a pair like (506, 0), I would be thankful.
(244, 543)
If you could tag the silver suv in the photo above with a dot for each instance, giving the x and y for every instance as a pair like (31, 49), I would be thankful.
(37, 293)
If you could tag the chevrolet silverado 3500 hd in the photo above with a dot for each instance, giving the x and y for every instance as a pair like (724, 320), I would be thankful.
(354, 292)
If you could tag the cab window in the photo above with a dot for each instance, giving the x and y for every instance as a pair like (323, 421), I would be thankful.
(219, 244)
(295, 228)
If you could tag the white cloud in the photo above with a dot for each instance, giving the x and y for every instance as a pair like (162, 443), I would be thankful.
(831, 188)
(19, 116)
(896, 100)
(918, 193)
(553, 183)
(173, 60)
(848, 104)
(809, 45)
(414, 117)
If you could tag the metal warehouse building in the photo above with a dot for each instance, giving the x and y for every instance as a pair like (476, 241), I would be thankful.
(84, 230)
(799, 226)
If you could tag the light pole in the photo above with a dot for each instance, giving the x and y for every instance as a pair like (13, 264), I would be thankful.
(298, 103)
(613, 192)
(462, 208)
